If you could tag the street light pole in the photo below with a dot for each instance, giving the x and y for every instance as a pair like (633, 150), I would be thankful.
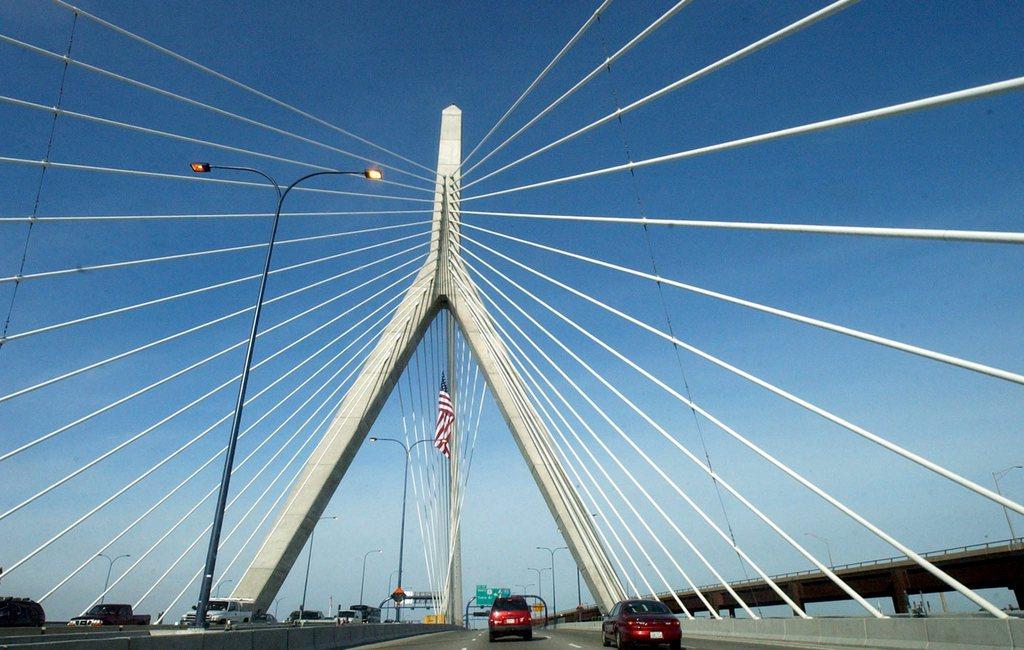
(109, 567)
(828, 548)
(554, 595)
(229, 456)
(216, 592)
(309, 559)
(362, 582)
(540, 583)
(405, 493)
(995, 477)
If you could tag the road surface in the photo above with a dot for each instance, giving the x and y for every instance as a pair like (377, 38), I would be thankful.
(563, 639)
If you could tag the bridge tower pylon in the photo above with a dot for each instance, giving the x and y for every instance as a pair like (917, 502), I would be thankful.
(443, 283)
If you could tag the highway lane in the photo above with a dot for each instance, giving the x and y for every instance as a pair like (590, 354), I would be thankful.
(562, 639)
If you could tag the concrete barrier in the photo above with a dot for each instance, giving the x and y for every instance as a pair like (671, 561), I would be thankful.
(952, 633)
(321, 637)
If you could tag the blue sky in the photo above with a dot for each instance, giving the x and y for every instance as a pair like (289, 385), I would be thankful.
(385, 71)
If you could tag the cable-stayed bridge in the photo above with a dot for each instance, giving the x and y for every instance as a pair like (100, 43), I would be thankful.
(706, 400)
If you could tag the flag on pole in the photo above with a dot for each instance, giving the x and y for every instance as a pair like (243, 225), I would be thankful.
(445, 419)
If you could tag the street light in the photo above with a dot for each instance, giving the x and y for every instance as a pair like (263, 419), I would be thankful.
(554, 597)
(405, 492)
(363, 580)
(523, 590)
(391, 579)
(995, 477)
(216, 592)
(540, 583)
(229, 456)
(109, 567)
(828, 548)
(309, 559)
(276, 603)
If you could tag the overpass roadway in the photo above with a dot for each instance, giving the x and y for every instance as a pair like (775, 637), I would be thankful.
(979, 566)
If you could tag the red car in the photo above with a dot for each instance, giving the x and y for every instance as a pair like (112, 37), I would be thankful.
(510, 617)
(641, 622)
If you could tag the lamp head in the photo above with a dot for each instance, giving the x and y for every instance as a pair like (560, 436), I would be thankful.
(373, 173)
(373, 439)
(200, 167)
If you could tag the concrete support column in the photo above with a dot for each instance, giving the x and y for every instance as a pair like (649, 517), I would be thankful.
(900, 599)
(795, 592)
(1018, 593)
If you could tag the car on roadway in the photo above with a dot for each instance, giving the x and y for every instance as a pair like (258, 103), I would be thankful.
(20, 612)
(109, 614)
(222, 611)
(634, 623)
(510, 617)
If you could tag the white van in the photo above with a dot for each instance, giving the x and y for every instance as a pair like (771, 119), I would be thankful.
(231, 610)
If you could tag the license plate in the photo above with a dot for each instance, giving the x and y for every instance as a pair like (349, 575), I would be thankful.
(510, 621)
(656, 635)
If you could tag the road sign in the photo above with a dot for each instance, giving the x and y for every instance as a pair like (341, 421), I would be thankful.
(398, 595)
(538, 607)
(485, 595)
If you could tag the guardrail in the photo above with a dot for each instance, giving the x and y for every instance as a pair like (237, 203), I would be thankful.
(320, 637)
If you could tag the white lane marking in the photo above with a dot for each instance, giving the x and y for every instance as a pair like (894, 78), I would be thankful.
(572, 644)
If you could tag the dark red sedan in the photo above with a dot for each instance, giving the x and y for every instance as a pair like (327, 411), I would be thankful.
(510, 617)
(641, 622)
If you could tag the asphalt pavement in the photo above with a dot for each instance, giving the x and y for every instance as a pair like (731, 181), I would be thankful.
(562, 639)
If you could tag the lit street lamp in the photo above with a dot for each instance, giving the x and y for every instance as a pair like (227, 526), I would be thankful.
(362, 581)
(554, 597)
(828, 548)
(995, 477)
(229, 456)
(405, 492)
(109, 567)
(309, 559)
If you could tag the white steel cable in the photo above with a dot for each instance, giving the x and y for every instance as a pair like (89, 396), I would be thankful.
(318, 460)
(973, 366)
(792, 28)
(162, 421)
(187, 331)
(410, 469)
(558, 57)
(941, 234)
(234, 82)
(191, 102)
(242, 519)
(934, 101)
(182, 556)
(191, 179)
(162, 299)
(549, 456)
(114, 496)
(700, 464)
(201, 253)
(354, 357)
(864, 433)
(628, 529)
(241, 435)
(590, 76)
(668, 480)
(55, 110)
(599, 510)
(925, 564)
(201, 362)
(214, 215)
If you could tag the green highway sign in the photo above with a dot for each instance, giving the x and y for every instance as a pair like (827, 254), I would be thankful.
(485, 596)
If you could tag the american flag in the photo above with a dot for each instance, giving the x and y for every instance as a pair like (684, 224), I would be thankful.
(445, 419)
